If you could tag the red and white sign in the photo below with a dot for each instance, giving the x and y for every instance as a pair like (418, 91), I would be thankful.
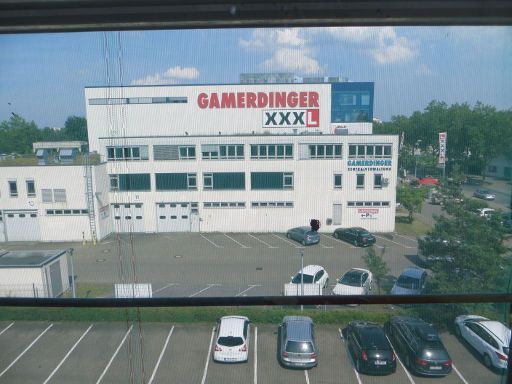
(291, 118)
(368, 213)
(442, 147)
(242, 100)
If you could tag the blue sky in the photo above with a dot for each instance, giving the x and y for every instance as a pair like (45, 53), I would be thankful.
(42, 76)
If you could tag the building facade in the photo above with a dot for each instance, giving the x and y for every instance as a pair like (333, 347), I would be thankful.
(227, 158)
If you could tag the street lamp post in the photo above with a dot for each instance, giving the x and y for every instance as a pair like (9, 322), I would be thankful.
(417, 153)
(302, 276)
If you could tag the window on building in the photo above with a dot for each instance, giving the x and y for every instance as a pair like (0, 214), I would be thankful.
(114, 182)
(222, 151)
(127, 153)
(271, 180)
(272, 204)
(360, 180)
(324, 151)
(130, 182)
(337, 180)
(377, 151)
(175, 181)
(31, 188)
(271, 151)
(13, 188)
(224, 204)
(377, 181)
(59, 195)
(224, 180)
(187, 152)
(47, 195)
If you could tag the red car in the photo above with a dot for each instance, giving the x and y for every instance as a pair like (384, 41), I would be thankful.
(429, 180)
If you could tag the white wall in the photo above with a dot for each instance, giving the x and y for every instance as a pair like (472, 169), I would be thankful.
(22, 282)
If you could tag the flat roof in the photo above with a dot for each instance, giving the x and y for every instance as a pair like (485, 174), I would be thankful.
(29, 259)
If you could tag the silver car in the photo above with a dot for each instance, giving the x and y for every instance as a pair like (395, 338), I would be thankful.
(297, 348)
(484, 194)
(303, 235)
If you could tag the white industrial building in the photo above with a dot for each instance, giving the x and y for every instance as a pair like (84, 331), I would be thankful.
(239, 157)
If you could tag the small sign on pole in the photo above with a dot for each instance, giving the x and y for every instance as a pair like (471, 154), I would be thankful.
(442, 147)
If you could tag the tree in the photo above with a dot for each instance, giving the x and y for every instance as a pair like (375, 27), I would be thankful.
(376, 264)
(75, 128)
(411, 199)
(17, 135)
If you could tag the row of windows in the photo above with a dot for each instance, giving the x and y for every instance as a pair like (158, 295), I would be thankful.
(66, 212)
(257, 151)
(224, 204)
(13, 188)
(47, 195)
(138, 100)
(213, 181)
(369, 151)
(378, 181)
(368, 204)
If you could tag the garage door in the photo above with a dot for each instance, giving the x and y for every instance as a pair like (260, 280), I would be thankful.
(176, 217)
(21, 226)
(128, 217)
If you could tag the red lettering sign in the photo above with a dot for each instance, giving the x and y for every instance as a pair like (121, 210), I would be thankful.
(223, 100)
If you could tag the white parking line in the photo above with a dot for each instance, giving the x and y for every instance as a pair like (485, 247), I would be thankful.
(161, 355)
(240, 244)
(307, 376)
(115, 354)
(164, 287)
(245, 290)
(25, 350)
(338, 240)
(458, 373)
(255, 355)
(6, 328)
(208, 357)
(211, 242)
(261, 241)
(287, 241)
(204, 289)
(67, 354)
(394, 242)
(400, 361)
(406, 237)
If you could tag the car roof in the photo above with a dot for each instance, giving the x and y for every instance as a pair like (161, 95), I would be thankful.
(298, 328)
(305, 228)
(497, 328)
(232, 325)
(358, 270)
(311, 269)
(423, 329)
(359, 229)
(413, 272)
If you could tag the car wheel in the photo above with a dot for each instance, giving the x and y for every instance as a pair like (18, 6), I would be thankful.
(457, 331)
(336, 236)
(487, 361)
(288, 235)
(303, 242)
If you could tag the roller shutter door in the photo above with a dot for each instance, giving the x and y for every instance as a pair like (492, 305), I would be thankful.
(175, 217)
(128, 217)
(22, 226)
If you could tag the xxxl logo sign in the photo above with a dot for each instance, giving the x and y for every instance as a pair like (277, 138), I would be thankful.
(291, 118)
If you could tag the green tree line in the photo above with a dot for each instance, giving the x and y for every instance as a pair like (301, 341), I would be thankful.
(17, 134)
(475, 135)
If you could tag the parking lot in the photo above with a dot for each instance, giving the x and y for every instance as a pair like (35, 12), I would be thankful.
(37, 352)
(219, 264)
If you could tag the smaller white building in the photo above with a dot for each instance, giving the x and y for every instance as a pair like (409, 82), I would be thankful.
(33, 273)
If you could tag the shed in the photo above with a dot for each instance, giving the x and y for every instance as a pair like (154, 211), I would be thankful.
(33, 273)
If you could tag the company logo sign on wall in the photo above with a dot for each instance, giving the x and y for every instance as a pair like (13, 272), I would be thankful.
(287, 109)
(369, 165)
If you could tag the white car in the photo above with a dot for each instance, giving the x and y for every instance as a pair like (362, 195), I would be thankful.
(490, 338)
(486, 212)
(232, 344)
(355, 281)
(313, 274)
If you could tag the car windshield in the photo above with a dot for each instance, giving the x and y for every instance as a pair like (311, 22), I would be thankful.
(308, 279)
(352, 278)
(408, 282)
(230, 341)
(299, 347)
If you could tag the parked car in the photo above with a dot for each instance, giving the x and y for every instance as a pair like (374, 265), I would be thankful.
(232, 344)
(355, 281)
(369, 348)
(313, 274)
(303, 235)
(484, 194)
(297, 347)
(432, 250)
(428, 181)
(358, 236)
(437, 199)
(419, 346)
(412, 281)
(491, 339)
(486, 212)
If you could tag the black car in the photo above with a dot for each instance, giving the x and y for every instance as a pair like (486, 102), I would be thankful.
(356, 235)
(419, 346)
(370, 348)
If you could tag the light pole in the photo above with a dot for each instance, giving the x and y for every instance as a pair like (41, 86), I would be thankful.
(70, 253)
(302, 276)
(417, 153)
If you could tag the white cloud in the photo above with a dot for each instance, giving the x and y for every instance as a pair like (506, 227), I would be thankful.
(182, 73)
(170, 76)
(398, 50)
(269, 38)
(424, 70)
(295, 60)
